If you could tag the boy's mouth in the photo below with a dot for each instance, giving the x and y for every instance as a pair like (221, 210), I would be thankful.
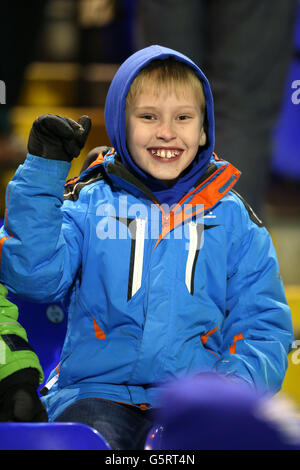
(165, 154)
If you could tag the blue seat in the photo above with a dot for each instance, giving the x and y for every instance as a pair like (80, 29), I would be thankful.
(46, 326)
(50, 436)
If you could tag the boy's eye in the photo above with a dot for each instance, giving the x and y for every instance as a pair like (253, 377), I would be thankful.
(183, 117)
(148, 117)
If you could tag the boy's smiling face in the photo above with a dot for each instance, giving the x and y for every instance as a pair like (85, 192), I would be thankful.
(164, 130)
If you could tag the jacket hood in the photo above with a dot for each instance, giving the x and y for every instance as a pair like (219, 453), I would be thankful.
(115, 122)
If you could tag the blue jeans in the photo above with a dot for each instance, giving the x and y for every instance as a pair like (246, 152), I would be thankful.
(124, 427)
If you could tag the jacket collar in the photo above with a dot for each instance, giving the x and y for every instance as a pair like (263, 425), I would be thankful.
(219, 177)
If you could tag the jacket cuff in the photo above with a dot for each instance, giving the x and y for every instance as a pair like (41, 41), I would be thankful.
(59, 168)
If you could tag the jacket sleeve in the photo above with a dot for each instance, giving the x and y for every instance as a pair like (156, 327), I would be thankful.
(15, 351)
(40, 242)
(257, 331)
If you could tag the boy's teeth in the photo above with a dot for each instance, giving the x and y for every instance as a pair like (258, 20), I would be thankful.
(165, 154)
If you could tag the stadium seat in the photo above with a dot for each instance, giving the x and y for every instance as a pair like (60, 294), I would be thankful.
(46, 326)
(208, 412)
(50, 436)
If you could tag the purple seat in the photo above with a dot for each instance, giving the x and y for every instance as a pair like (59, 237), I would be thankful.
(211, 413)
(50, 436)
(286, 138)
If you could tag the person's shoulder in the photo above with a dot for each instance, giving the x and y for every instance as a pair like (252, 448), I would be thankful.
(247, 208)
(77, 187)
(237, 217)
(91, 175)
(236, 203)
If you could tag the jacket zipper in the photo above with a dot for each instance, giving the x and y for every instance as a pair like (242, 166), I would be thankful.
(137, 257)
(194, 246)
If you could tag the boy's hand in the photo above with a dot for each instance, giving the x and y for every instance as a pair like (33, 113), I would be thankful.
(58, 138)
(19, 400)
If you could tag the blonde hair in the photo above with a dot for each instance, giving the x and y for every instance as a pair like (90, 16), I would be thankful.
(167, 74)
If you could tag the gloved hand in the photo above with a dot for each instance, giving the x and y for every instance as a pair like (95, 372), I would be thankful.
(19, 400)
(58, 138)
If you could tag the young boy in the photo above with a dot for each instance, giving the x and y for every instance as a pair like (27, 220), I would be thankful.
(166, 272)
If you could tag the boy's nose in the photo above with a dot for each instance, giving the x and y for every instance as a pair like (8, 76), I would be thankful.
(165, 131)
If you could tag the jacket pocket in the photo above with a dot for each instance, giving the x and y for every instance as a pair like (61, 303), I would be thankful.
(208, 341)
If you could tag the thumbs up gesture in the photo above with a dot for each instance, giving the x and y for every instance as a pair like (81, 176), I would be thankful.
(58, 138)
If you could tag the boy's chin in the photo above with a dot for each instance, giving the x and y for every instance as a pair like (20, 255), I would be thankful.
(171, 181)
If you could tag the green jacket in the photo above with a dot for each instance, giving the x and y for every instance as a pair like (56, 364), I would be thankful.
(15, 351)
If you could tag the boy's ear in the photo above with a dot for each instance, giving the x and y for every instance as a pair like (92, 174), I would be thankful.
(203, 137)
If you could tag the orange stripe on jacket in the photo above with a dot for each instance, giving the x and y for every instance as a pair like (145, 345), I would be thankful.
(173, 219)
(72, 181)
(206, 198)
(216, 157)
(211, 194)
(235, 339)
(100, 158)
(205, 337)
(198, 188)
(98, 332)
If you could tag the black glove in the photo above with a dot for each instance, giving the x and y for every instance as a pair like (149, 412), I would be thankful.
(19, 400)
(58, 138)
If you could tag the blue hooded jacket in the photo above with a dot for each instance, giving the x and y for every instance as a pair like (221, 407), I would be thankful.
(115, 122)
(151, 296)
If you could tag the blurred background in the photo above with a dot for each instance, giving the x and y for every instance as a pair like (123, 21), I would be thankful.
(59, 56)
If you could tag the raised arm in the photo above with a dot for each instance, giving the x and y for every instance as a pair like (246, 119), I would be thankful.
(40, 244)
